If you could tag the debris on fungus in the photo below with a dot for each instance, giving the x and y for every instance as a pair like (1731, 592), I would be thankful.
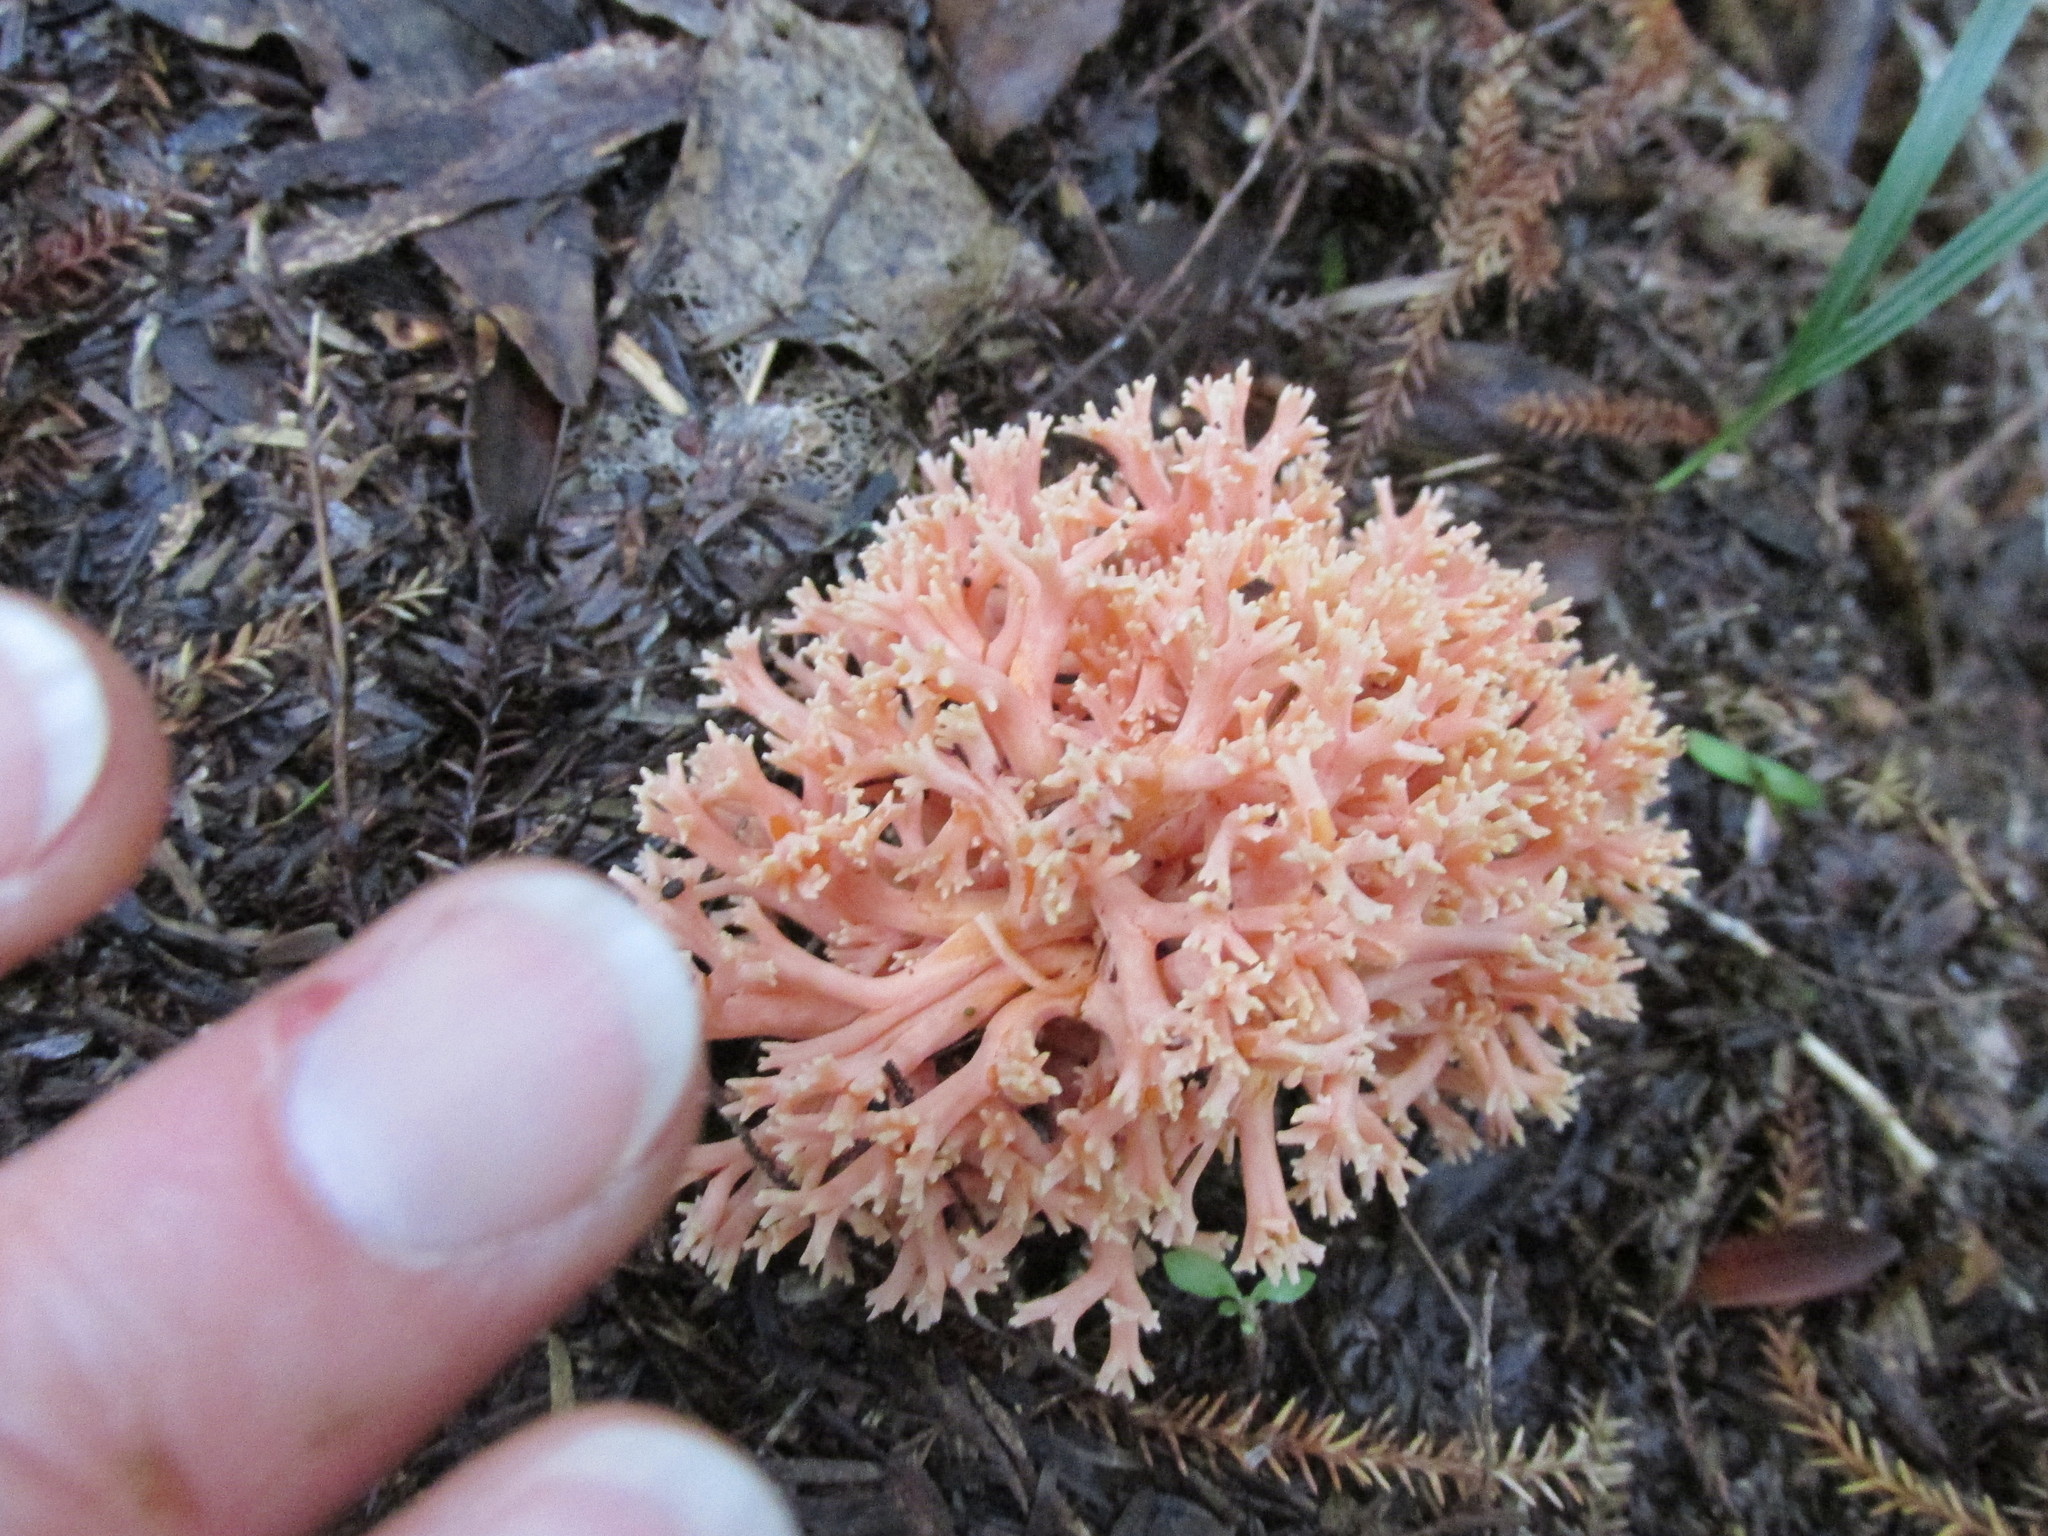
(1102, 829)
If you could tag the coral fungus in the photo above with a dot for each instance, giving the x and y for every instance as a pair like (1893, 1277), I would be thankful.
(1100, 829)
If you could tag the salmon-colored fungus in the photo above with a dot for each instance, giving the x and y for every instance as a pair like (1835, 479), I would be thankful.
(1099, 830)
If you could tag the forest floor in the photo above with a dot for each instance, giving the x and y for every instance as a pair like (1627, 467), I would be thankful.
(380, 658)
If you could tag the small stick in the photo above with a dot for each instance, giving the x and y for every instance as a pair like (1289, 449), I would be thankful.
(1914, 1155)
(639, 365)
(330, 589)
(1222, 211)
(1156, 82)
(1733, 928)
(33, 122)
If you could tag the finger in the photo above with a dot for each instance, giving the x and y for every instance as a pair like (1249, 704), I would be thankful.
(245, 1282)
(612, 1471)
(82, 775)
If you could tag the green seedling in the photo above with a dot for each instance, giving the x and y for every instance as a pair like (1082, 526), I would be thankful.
(1193, 1271)
(1836, 335)
(1332, 271)
(1766, 775)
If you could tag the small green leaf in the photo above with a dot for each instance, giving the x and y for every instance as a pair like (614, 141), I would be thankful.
(1332, 270)
(1282, 1292)
(1723, 759)
(1787, 786)
(1766, 775)
(1193, 1271)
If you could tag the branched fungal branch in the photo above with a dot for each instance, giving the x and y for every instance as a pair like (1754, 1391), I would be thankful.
(1101, 830)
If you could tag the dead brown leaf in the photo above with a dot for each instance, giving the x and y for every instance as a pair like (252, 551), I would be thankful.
(815, 202)
(1012, 57)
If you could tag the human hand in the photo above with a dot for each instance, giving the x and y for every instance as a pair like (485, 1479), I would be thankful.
(243, 1284)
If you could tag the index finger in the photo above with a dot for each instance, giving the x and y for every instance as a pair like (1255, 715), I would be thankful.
(243, 1283)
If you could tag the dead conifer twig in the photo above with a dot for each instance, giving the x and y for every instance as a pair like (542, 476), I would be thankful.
(1495, 218)
(1863, 1466)
(73, 267)
(247, 654)
(1640, 421)
(2012, 1394)
(1797, 1188)
(1561, 1470)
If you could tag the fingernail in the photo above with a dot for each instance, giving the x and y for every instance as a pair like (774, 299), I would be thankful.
(53, 730)
(516, 1039)
(642, 1476)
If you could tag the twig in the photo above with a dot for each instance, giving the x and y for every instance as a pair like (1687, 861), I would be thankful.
(310, 400)
(1561, 1468)
(1364, 298)
(1155, 82)
(1730, 928)
(1289, 104)
(32, 123)
(639, 365)
(1914, 1155)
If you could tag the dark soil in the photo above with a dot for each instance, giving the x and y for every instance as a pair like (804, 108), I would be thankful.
(1863, 595)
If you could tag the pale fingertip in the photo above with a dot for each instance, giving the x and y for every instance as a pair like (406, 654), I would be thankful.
(677, 1480)
(517, 1042)
(55, 729)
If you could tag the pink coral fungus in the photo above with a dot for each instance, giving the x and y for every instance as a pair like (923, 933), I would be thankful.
(1111, 826)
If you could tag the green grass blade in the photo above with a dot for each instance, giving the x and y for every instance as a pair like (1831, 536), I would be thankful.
(1947, 106)
(1940, 278)
(1946, 109)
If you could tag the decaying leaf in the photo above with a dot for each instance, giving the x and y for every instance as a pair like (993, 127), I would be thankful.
(412, 99)
(511, 430)
(1012, 57)
(1808, 1261)
(531, 133)
(814, 201)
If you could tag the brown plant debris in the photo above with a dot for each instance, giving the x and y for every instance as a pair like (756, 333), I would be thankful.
(880, 244)
(35, 446)
(76, 265)
(1012, 58)
(532, 133)
(1560, 1469)
(1797, 1189)
(1505, 179)
(1641, 421)
(2010, 1394)
(1864, 1467)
